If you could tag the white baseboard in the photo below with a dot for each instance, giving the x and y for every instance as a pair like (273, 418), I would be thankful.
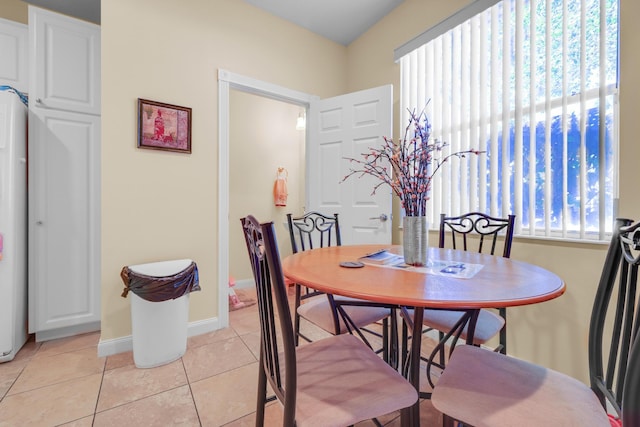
(67, 331)
(115, 346)
(124, 344)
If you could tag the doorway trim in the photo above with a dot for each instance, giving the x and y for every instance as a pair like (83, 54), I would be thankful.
(227, 81)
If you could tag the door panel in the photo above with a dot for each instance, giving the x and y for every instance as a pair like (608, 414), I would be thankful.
(13, 51)
(64, 191)
(347, 126)
(65, 54)
(330, 175)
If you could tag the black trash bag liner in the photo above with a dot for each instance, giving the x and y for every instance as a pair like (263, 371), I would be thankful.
(157, 289)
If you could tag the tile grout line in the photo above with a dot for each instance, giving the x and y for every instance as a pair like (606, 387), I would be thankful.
(95, 408)
(193, 398)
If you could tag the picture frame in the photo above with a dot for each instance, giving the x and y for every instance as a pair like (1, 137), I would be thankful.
(164, 126)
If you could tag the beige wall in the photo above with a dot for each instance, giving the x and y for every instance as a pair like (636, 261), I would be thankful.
(15, 10)
(255, 154)
(158, 205)
(629, 95)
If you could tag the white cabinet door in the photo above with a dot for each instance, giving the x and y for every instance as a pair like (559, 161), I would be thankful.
(64, 62)
(64, 175)
(13, 54)
(64, 219)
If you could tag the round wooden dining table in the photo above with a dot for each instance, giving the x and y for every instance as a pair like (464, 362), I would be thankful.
(500, 282)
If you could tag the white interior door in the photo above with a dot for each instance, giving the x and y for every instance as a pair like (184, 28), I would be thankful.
(347, 126)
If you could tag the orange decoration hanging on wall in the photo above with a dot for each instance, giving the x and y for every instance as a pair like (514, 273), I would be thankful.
(280, 187)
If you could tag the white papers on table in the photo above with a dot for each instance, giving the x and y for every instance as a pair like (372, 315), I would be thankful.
(458, 270)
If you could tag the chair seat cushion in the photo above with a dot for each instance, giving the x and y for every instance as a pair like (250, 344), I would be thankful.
(332, 390)
(487, 326)
(317, 310)
(499, 390)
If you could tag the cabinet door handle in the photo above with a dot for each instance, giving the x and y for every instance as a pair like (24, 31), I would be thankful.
(39, 223)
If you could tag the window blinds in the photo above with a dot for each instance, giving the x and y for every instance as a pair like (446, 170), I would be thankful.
(534, 84)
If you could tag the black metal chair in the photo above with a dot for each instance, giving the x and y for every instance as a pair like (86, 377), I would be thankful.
(471, 231)
(484, 388)
(334, 314)
(330, 382)
(481, 231)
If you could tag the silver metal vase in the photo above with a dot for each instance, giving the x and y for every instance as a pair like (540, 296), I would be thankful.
(415, 240)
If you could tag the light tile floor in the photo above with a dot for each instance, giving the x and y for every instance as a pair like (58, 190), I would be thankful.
(63, 383)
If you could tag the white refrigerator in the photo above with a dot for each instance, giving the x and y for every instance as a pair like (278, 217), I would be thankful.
(13, 225)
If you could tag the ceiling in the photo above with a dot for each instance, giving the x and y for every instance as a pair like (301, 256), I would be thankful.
(89, 10)
(342, 21)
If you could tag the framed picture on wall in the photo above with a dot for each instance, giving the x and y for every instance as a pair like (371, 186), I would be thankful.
(164, 126)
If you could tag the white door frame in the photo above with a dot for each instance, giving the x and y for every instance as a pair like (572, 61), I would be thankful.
(226, 81)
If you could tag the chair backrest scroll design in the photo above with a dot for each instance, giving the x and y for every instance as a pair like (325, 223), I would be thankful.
(313, 229)
(481, 225)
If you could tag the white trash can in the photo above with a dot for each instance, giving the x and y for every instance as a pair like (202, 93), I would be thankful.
(159, 329)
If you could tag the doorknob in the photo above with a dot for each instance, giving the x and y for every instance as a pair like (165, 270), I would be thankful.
(382, 217)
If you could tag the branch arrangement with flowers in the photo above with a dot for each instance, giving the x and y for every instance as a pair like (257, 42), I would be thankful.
(408, 166)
